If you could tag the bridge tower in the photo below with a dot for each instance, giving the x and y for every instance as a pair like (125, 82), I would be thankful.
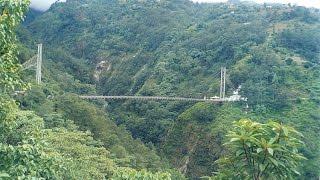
(223, 82)
(39, 64)
(35, 62)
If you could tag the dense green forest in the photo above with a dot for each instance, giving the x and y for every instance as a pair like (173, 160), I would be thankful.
(160, 48)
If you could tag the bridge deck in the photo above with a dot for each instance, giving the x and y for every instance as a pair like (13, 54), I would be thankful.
(155, 98)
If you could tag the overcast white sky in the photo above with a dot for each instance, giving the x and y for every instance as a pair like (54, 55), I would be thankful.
(42, 5)
(45, 4)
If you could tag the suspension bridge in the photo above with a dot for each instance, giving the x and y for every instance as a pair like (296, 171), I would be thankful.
(36, 62)
(163, 98)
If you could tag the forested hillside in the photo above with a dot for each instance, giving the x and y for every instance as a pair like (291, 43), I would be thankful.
(171, 48)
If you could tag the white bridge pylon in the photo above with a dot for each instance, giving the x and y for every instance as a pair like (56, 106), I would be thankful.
(35, 62)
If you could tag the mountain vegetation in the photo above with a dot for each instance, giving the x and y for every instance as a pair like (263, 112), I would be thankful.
(160, 48)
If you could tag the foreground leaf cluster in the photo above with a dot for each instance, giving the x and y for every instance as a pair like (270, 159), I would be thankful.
(261, 151)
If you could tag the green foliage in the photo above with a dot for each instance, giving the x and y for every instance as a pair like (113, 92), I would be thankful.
(131, 174)
(30, 151)
(22, 146)
(193, 145)
(147, 51)
(89, 117)
(81, 155)
(67, 110)
(27, 150)
(261, 151)
(303, 40)
(175, 48)
(264, 83)
(11, 13)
